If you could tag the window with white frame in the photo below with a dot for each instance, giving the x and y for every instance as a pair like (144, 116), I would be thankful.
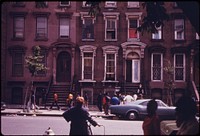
(18, 27)
(64, 27)
(88, 28)
(65, 3)
(110, 4)
(132, 26)
(179, 29)
(110, 63)
(110, 66)
(156, 66)
(84, 4)
(179, 66)
(41, 31)
(87, 65)
(133, 4)
(111, 31)
(197, 36)
(157, 35)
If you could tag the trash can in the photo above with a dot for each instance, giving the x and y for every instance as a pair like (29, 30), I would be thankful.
(168, 127)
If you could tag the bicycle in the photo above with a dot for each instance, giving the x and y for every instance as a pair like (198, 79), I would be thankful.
(90, 129)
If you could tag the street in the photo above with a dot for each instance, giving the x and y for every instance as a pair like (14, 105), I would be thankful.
(30, 125)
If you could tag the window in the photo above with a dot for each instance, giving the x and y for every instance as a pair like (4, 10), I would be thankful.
(18, 27)
(64, 3)
(110, 67)
(197, 36)
(88, 5)
(88, 64)
(18, 4)
(110, 52)
(132, 4)
(157, 35)
(110, 4)
(132, 26)
(111, 29)
(41, 32)
(156, 66)
(88, 53)
(64, 27)
(179, 29)
(43, 4)
(88, 28)
(179, 65)
(17, 64)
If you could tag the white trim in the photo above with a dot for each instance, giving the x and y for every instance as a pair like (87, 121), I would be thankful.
(133, 4)
(175, 30)
(184, 67)
(87, 49)
(112, 4)
(64, 4)
(110, 50)
(161, 73)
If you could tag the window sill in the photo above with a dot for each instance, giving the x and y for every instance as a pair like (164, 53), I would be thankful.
(91, 40)
(87, 80)
(110, 40)
(110, 81)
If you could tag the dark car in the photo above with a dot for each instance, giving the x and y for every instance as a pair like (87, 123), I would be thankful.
(137, 110)
(3, 105)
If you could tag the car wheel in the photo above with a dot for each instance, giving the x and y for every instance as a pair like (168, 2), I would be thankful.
(132, 115)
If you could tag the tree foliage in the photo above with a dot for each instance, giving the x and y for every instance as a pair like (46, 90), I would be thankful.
(157, 14)
(33, 62)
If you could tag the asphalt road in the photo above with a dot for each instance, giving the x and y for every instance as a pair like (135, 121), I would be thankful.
(30, 125)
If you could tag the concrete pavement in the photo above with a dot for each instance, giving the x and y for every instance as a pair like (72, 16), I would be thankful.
(18, 111)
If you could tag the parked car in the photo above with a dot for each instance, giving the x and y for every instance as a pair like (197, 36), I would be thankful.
(137, 110)
(3, 105)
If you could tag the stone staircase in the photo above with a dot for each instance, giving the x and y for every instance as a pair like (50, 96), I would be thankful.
(62, 91)
(131, 87)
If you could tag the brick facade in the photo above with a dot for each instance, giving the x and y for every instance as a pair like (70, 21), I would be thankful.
(66, 56)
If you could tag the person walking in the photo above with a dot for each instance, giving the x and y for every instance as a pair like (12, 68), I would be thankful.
(128, 98)
(55, 95)
(86, 100)
(78, 117)
(33, 104)
(186, 121)
(151, 123)
(69, 100)
(99, 102)
(106, 103)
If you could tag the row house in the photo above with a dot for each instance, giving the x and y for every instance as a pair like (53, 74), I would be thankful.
(93, 54)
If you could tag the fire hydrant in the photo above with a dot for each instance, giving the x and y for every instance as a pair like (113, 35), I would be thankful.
(49, 131)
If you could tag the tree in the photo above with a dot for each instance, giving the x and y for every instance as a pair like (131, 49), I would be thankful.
(169, 82)
(157, 14)
(33, 64)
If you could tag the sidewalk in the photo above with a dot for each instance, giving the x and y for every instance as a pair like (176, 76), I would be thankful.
(18, 111)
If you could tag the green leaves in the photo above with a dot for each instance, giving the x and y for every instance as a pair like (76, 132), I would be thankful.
(156, 15)
(33, 63)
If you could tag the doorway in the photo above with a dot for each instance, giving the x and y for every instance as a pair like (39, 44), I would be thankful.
(63, 67)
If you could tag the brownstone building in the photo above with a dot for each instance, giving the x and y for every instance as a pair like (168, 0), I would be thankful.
(95, 54)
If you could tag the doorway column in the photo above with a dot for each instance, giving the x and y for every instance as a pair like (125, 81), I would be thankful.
(54, 65)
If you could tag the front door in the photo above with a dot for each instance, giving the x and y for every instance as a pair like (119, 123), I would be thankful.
(63, 67)
(133, 71)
